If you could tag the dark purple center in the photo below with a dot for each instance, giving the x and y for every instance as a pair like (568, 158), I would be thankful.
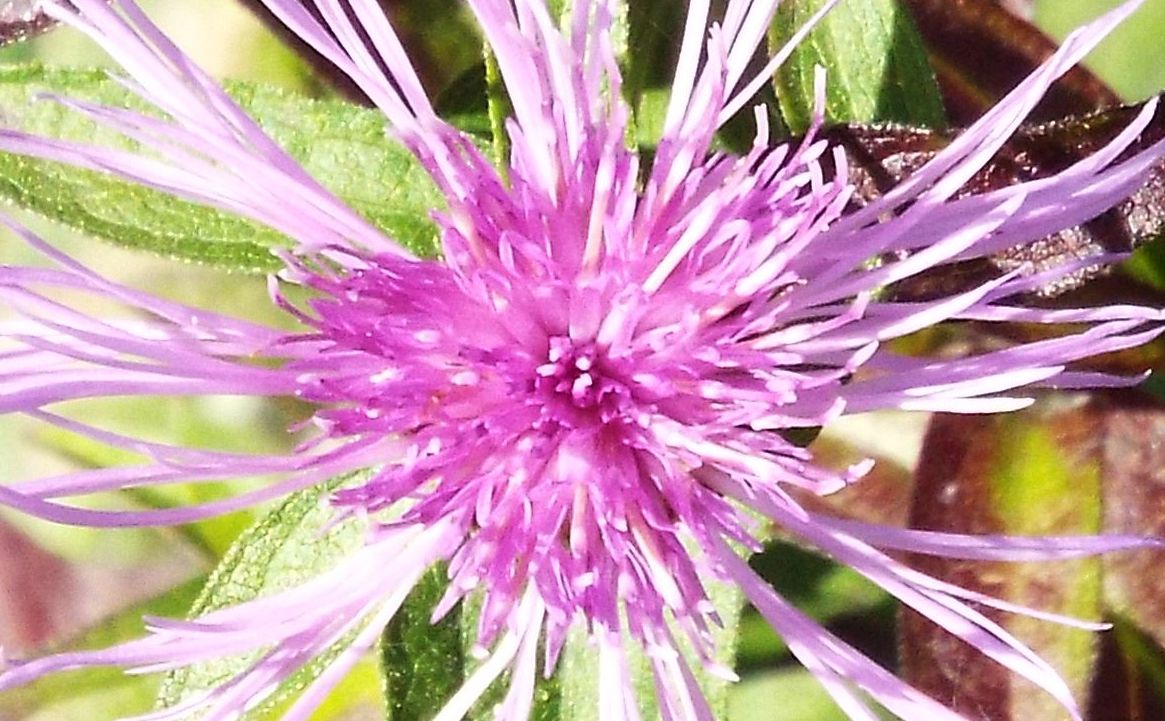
(576, 385)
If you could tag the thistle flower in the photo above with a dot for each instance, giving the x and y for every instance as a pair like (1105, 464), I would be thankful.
(579, 406)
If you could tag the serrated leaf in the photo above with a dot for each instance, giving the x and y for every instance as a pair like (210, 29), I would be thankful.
(345, 147)
(293, 543)
(877, 69)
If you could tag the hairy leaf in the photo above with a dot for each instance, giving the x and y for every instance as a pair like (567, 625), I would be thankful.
(578, 674)
(344, 147)
(788, 694)
(292, 544)
(423, 664)
(877, 69)
(1029, 473)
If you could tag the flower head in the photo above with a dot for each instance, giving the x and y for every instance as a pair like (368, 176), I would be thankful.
(579, 406)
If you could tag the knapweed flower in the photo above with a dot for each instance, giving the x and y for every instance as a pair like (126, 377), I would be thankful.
(580, 406)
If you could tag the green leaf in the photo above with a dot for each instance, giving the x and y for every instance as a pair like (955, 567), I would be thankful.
(347, 149)
(498, 109)
(343, 146)
(195, 422)
(497, 99)
(981, 49)
(826, 591)
(292, 544)
(1148, 263)
(1122, 58)
(653, 28)
(787, 694)
(729, 602)
(876, 66)
(578, 669)
(1143, 666)
(1041, 463)
(423, 664)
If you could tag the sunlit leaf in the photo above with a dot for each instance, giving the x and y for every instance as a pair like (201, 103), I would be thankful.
(826, 591)
(876, 67)
(788, 694)
(423, 664)
(292, 544)
(577, 678)
(343, 146)
(433, 33)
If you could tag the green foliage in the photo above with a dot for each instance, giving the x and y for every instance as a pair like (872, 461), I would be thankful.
(1034, 470)
(876, 67)
(423, 663)
(826, 591)
(876, 72)
(785, 694)
(578, 670)
(348, 149)
(345, 147)
(1148, 264)
(292, 544)
(653, 28)
(1126, 59)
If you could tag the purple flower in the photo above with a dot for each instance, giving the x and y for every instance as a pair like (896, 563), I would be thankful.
(578, 407)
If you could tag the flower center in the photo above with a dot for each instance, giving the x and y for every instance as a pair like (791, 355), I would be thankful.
(576, 385)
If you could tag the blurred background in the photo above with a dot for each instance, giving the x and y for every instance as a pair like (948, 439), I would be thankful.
(58, 584)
